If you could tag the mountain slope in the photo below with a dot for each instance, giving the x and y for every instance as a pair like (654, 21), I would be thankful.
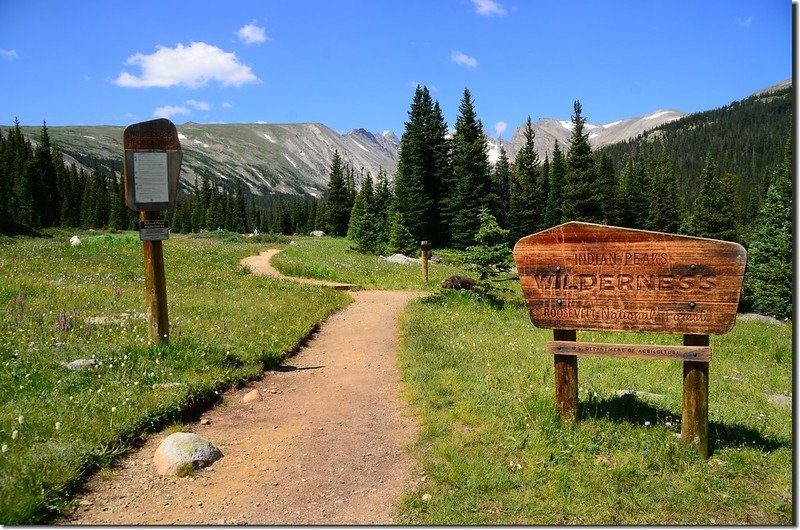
(270, 158)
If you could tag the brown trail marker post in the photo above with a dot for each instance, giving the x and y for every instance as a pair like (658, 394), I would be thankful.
(425, 247)
(583, 276)
(151, 168)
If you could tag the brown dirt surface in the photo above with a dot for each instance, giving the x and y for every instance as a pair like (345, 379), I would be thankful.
(325, 444)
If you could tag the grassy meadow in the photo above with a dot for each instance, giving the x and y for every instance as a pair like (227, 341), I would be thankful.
(494, 451)
(491, 445)
(62, 303)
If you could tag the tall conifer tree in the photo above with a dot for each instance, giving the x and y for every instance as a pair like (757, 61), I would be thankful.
(555, 189)
(338, 207)
(473, 186)
(582, 199)
(527, 201)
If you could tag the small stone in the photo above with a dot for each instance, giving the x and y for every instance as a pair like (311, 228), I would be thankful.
(426, 497)
(80, 364)
(251, 396)
(182, 450)
(205, 421)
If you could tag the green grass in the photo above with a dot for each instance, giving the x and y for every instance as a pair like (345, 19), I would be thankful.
(60, 303)
(495, 452)
(333, 259)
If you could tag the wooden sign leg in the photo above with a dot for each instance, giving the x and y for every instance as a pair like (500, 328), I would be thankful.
(566, 373)
(155, 284)
(694, 425)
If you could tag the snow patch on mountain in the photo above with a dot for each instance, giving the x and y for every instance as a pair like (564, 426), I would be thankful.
(290, 160)
(268, 137)
(359, 145)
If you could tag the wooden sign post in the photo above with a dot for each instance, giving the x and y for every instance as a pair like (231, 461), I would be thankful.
(582, 276)
(425, 247)
(151, 168)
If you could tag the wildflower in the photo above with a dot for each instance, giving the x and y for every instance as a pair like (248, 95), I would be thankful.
(58, 425)
(14, 434)
(21, 419)
(647, 424)
(4, 448)
(113, 409)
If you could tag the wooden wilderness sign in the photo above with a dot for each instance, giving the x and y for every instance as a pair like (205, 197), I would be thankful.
(595, 277)
(583, 276)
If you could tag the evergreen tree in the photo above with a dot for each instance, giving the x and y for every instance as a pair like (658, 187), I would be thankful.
(401, 240)
(239, 214)
(474, 188)
(338, 208)
(714, 214)
(527, 202)
(555, 189)
(768, 282)
(491, 254)
(43, 182)
(418, 179)
(502, 175)
(607, 183)
(666, 202)
(582, 199)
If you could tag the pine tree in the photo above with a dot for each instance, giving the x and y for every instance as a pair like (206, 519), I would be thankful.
(423, 150)
(474, 188)
(44, 185)
(555, 189)
(502, 175)
(582, 199)
(527, 202)
(714, 213)
(666, 202)
(401, 240)
(607, 183)
(338, 208)
(239, 215)
(768, 282)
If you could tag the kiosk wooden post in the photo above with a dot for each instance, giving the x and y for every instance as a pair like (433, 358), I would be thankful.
(151, 168)
(583, 276)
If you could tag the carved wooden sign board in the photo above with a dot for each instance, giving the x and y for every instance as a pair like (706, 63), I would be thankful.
(152, 165)
(594, 277)
(582, 276)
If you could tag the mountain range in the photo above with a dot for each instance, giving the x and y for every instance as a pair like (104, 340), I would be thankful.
(294, 159)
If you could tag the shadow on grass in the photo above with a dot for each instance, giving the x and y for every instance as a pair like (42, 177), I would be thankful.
(632, 410)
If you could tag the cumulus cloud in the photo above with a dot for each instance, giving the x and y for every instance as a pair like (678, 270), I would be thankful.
(462, 58)
(168, 111)
(252, 34)
(190, 66)
(8, 55)
(500, 127)
(489, 8)
(745, 22)
(226, 105)
(198, 105)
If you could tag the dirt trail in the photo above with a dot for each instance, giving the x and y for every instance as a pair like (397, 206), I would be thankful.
(324, 445)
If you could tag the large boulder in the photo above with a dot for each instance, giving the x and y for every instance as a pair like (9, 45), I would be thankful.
(75, 241)
(183, 452)
(400, 259)
(318, 233)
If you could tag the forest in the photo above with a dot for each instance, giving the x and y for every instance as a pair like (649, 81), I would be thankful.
(724, 174)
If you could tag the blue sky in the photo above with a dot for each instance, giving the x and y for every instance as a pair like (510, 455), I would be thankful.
(355, 63)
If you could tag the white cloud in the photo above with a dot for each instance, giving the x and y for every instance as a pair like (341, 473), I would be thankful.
(226, 105)
(745, 22)
(462, 58)
(500, 127)
(8, 55)
(190, 66)
(198, 105)
(252, 34)
(489, 8)
(168, 111)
